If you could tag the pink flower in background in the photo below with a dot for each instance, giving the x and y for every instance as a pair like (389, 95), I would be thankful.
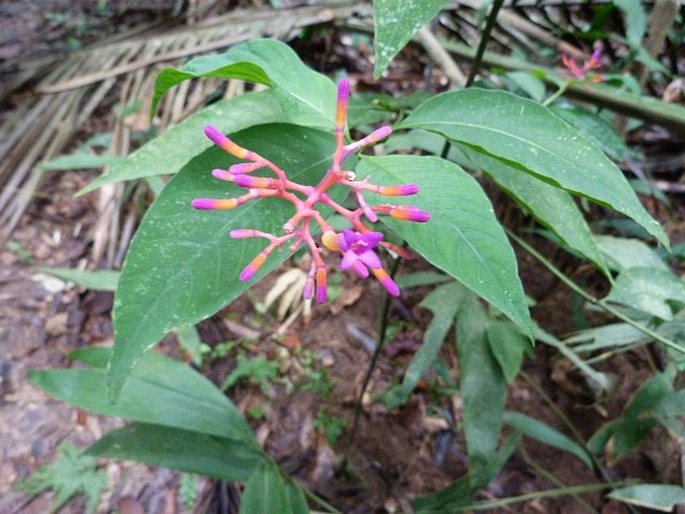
(581, 72)
(357, 245)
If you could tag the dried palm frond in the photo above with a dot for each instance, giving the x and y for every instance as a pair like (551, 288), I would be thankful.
(68, 91)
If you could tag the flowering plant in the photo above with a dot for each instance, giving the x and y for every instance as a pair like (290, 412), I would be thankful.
(181, 268)
(356, 246)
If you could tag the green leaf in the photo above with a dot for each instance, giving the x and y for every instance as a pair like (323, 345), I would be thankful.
(528, 83)
(622, 253)
(70, 474)
(596, 128)
(637, 421)
(169, 152)
(551, 206)
(507, 345)
(80, 161)
(635, 18)
(606, 336)
(599, 378)
(189, 339)
(268, 491)
(101, 280)
(160, 391)
(648, 290)
(182, 266)
(652, 496)
(463, 237)
(481, 384)
(545, 434)
(184, 450)
(306, 97)
(395, 22)
(421, 278)
(528, 136)
(443, 302)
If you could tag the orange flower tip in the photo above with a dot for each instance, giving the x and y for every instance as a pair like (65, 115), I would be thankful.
(210, 203)
(387, 282)
(402, 190)
(410, 213)
(321, 285)
(256, 182)
(330, 240)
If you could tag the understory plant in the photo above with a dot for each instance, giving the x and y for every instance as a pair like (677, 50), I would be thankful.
(279, 166)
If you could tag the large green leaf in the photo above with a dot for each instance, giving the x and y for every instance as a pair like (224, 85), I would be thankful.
(463, 237)
(481, 384)
(306, 97)
(596, 128)
(649, 290)
(550, 205)
(622, 253)
(166, 154)
(268, 491)
(652, 496)
(182, 266)
(528, 136)
(395, 22)
(179, 449)
(443, 302)
(160, 391)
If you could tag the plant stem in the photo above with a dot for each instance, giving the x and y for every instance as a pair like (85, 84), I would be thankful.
(595, 301)
(320, 501)
(552, 478)
(555, 95)
(382, 329)
(550, 493)
(490, 23)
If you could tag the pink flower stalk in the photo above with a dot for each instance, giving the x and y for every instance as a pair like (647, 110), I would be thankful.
(357, 245)
(581, 73)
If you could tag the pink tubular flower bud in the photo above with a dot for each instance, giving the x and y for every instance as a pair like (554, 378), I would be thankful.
(404, 212)
(256, 182)
(245, 167)
(385, 280)
(243, 233)
(222, 175)
(209, 204)
(401, 190)
(253, 267)
(321, 285)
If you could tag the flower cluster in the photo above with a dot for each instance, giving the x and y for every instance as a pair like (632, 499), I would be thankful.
(581, 73)
(356, 245)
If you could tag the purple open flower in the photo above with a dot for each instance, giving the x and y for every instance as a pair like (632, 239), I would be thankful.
(358, 251)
